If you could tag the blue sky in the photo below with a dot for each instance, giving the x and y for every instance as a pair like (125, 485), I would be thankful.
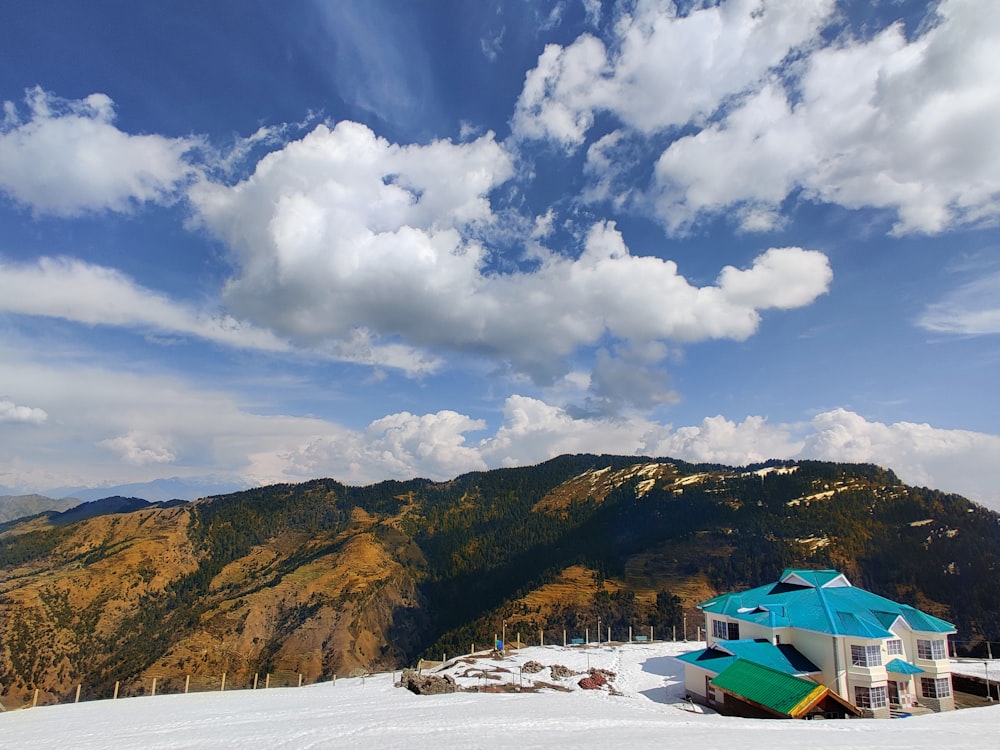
(251, 242)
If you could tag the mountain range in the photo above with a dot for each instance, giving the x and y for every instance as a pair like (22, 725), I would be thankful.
(320, 578)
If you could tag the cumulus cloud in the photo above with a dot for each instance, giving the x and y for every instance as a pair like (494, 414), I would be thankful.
(399, 445)
(11, 412)
(886, 122)
(663, 68)
(139, 449)
(342, 231)
(67, 158)
(957, 460)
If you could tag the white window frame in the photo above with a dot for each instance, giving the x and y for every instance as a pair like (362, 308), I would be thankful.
(894, 647)
(720, 630)
(931, 650)
(935, 687)
(866, 656)
(876, 696)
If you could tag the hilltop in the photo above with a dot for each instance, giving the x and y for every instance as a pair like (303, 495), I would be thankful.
(320, 578)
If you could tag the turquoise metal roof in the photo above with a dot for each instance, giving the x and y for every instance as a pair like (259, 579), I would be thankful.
(719, 657)
(820, 601)
(898, 666)
(815, 577)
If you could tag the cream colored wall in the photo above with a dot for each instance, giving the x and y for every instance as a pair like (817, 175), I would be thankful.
(694, 680)
(817, 648)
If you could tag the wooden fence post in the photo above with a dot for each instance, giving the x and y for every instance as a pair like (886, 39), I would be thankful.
(300, 679)
(255, 680)
(187, 683)
(153, 693)
(34, 701)
(117, 683)
(77, 699)
(223, 681)
(267, 681)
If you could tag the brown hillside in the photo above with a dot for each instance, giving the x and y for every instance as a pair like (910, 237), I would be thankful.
(62, 616)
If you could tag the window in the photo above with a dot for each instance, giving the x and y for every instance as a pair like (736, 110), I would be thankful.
(873, 697)
(726, 631)
(931, 649)
(866, 656)
(894, 647)
(935, 687)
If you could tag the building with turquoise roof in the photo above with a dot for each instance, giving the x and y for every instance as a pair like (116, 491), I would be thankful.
(874, 653)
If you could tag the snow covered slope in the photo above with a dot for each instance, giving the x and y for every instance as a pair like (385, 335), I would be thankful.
(372, 713)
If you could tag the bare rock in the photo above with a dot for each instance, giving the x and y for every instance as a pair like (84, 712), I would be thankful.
(427, 684)
(532, 667)
(559, 672)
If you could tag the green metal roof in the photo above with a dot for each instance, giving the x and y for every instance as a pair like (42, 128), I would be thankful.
(825, 602)
(782, 693)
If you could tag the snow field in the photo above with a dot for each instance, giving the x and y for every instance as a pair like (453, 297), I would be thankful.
(372, 713)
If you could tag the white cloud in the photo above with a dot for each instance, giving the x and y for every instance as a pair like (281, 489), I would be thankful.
(955, 460)
(492, 44)
(140, 449)
(399, 445)
(782, 278)
(592, 10)
(113, 426)
(972, 309)
(11, 412)
(68, 158)
(118, 427)
(906, 125)
(342, 231)
(534, 431)
(96, 295)
(664, 68)
(719, 440)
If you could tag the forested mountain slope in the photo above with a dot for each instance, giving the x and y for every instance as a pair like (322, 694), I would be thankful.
(321, 578)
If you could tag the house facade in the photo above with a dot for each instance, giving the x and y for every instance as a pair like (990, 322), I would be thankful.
(874, 653)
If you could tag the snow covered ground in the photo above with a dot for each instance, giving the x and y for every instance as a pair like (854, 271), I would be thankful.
(372, 713)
